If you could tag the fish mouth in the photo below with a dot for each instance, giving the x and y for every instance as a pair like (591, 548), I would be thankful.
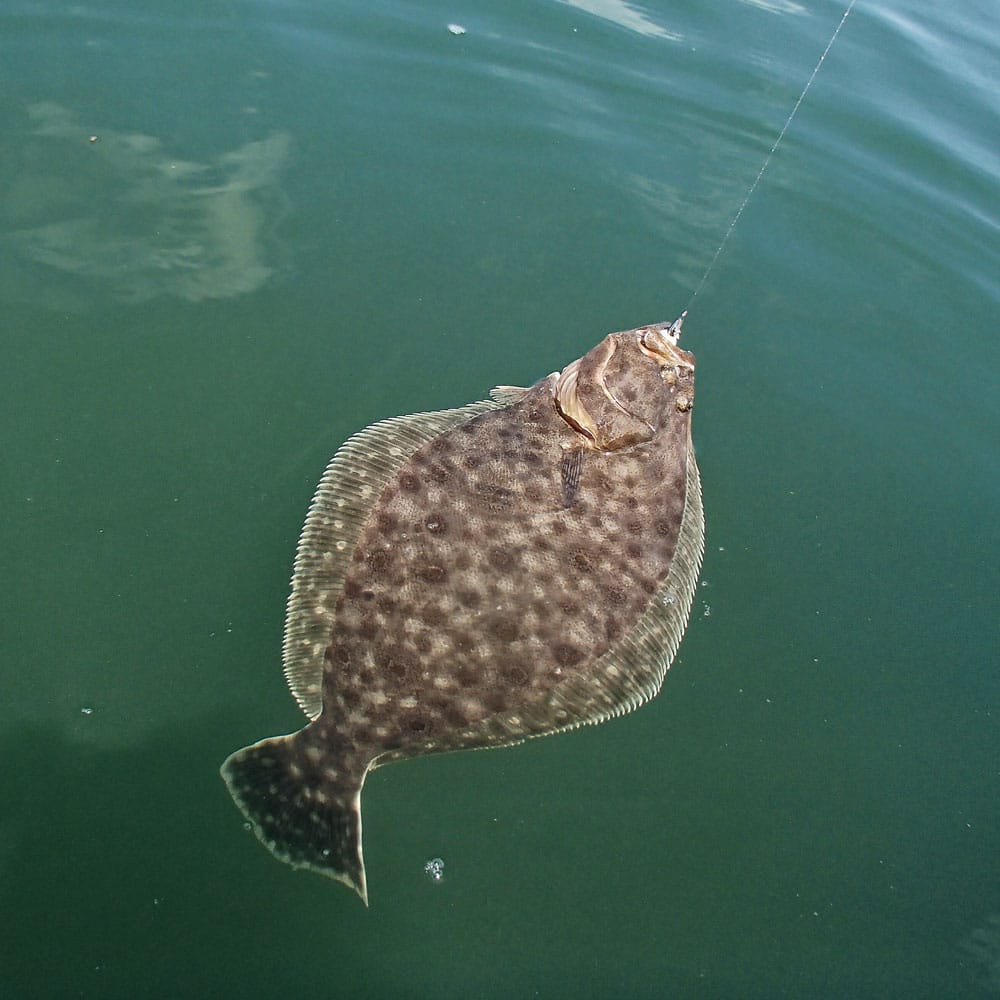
(660, 343)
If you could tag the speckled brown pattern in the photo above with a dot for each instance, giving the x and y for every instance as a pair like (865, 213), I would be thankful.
(474, 577)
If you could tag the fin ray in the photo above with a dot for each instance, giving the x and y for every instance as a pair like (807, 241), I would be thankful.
(506, 395)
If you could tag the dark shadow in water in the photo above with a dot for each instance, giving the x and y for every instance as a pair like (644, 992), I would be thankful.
(127, 872)
(983, 947)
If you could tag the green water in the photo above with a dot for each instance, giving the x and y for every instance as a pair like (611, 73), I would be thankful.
(233, 233)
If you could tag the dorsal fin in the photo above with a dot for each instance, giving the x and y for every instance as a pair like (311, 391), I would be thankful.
(506, 395)
(352, 483)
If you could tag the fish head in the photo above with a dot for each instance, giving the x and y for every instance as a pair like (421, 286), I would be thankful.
(628, 387)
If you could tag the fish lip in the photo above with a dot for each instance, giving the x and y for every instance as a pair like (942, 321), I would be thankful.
(660, 341)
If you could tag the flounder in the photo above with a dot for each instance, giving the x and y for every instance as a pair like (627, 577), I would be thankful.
(474, 577)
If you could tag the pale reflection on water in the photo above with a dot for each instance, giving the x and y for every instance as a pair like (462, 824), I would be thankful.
(626, 15)
(118, 213)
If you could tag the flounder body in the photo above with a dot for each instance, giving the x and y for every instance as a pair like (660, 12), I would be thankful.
(474, 577)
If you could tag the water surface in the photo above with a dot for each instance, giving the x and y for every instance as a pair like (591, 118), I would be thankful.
(233, 233)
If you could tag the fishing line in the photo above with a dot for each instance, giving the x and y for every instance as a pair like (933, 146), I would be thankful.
(767, 159)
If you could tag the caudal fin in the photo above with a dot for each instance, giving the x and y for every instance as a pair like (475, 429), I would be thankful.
(304, 811)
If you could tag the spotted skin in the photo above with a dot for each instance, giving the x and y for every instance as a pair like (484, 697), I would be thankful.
(476, 577)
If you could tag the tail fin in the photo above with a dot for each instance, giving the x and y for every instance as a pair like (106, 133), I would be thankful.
(304, 810)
